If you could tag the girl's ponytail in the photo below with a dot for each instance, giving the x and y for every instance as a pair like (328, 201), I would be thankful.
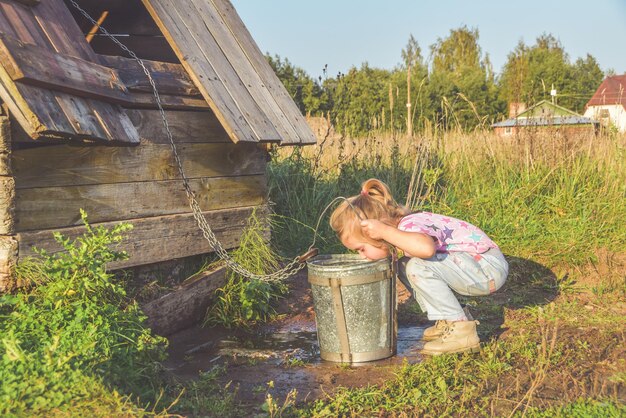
(380, 192)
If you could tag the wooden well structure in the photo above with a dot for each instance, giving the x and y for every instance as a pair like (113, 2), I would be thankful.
(79, 126)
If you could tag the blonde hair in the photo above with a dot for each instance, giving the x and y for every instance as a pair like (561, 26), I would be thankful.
(374, 202)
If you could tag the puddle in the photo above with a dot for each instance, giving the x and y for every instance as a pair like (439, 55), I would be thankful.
(285, 353)
(288, 357)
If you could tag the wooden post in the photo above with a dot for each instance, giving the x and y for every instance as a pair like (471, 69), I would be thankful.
(8, 242)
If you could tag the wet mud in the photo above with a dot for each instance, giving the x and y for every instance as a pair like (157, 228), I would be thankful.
(284, 354)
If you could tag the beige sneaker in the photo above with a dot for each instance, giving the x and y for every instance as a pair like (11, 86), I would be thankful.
(436, 331)
(458, 337)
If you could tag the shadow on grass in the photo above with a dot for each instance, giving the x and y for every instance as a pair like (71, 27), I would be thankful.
(528, 284)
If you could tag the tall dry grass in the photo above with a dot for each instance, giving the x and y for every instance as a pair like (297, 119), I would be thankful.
(540, 194)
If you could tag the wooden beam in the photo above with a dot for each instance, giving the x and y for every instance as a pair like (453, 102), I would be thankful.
(55, 207)
(186, 126)
(169, 78)
(141, 100)
(41, 67)
(154, 239)
(185, 305)
(43, 112)
(153, 48)
(8, 261)
(7, 205)
(68, 165)
(29, 64)
(8, 243)
(29, 3)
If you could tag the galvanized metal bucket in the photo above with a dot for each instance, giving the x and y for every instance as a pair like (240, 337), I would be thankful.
(355, 307)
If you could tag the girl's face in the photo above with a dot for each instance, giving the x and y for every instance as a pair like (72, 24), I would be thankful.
(365, 249)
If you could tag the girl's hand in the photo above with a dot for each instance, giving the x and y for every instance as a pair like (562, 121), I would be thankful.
(414, 244)
(373, 228)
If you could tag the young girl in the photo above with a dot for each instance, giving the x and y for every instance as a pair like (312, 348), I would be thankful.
(441, 254)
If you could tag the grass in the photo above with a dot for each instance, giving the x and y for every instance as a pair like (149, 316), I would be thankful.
(553, 339)
(555, 205)
(243, 302)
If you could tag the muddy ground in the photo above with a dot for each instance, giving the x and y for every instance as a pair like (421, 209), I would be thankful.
(284, 355)
(286, 352)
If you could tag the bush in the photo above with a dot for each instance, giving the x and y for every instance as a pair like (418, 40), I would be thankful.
(73, 335)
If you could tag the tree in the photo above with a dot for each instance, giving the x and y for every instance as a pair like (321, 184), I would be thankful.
(308, 95)
(530, 73)
(462, 88)
(359, 99)
(586, 77)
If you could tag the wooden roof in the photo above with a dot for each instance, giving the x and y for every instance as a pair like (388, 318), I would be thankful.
(56, 85)
(612, 91)
(38, 51)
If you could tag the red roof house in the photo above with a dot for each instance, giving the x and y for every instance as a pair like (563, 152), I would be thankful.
(608, 104)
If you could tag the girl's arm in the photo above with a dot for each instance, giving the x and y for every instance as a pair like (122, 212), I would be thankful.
(414, 244)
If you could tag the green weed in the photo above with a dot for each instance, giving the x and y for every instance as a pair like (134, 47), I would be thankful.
(74, 337)
(243, 302)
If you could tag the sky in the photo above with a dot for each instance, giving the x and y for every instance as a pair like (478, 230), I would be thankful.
(346, 33)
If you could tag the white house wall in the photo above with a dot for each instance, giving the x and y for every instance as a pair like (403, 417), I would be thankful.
(617, 115)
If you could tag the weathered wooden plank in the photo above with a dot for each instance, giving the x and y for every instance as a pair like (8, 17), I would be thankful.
(269, 79)
(155, 48)
(43, 112)
(208, 52)
(66, 165)
(250, 80)
(222, 89)
(28, 2)
(41, 67)
(19, 108)
(186, 126)
(185, 305)
(7, 205)
(5, 146)
(154, 239)
(5, 25)
(8, 261)
(169, 78)
(53, 207)
(140, 100)
(22, 23)
(36, 66)
(7, 182)
(62, 30)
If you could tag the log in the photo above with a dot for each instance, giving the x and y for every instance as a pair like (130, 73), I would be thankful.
(185, 305)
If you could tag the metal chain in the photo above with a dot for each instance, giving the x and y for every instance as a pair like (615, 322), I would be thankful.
(288, 270)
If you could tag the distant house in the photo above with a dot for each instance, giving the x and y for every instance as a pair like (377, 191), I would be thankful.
(608, 104)
(546, 115)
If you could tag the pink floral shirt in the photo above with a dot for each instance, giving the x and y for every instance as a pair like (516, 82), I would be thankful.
(450, 234)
